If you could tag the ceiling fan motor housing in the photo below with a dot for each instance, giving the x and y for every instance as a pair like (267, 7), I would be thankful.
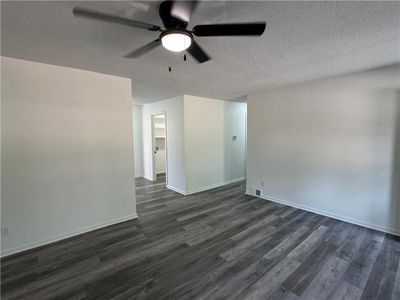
(169, 20)
(179, 31)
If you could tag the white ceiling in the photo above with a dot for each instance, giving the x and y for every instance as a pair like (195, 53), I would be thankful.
(303, 41)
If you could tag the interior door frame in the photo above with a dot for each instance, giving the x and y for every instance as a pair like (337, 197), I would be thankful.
(153, 146)
(245, 143)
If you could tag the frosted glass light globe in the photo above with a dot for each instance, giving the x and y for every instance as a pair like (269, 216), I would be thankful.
(176, 42)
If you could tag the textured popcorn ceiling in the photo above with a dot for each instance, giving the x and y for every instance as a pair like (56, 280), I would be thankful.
(303, 41)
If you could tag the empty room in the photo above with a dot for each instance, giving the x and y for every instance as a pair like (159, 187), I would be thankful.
(200, 150)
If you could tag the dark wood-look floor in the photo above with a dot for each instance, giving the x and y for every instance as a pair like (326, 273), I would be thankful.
(218, 244)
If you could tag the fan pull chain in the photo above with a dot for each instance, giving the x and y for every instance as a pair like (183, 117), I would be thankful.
(184, 57)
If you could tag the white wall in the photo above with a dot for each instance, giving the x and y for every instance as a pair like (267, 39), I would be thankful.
(173, 108)
(67, 161)
(235, 150)
(330, 146)
(137, 139)
(212, 157)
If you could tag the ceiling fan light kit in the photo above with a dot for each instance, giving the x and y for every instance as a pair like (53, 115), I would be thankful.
(176, 40)
(175, 16)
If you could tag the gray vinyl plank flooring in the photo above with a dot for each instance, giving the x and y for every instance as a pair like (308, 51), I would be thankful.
(217, 244)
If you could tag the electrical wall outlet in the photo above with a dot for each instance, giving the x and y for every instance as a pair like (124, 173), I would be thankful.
(4, 231)
(258, 192)
(262, 183)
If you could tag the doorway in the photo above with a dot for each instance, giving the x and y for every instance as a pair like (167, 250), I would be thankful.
(159, 138)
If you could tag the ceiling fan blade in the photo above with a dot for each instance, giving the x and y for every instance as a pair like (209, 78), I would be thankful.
(229, 29)
(183, 10)
(142, 50)
(199, 54)
(91, 14)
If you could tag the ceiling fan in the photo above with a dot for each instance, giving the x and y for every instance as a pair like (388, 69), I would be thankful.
(175, 16)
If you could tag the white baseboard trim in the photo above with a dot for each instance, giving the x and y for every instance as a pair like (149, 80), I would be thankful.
(213, 186)
(330, 215)
(176, 190)
(56, 238)
(205, 188)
